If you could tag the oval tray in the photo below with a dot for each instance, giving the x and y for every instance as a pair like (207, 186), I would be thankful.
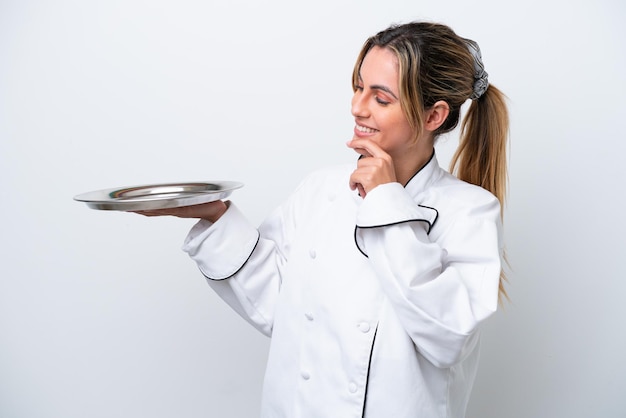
(158, 196)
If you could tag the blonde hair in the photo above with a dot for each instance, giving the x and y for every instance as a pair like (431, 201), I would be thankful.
(434, 64)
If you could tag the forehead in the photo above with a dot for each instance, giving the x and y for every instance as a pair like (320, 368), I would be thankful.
(380, 66)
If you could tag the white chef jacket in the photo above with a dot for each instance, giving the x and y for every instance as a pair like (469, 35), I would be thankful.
(373, 305)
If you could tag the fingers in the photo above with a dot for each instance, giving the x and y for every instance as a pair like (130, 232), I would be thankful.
(375, 168)
(210, 211)
(366, 147)
(361, 190)
(181, 212)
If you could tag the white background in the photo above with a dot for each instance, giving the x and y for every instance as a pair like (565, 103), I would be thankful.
(102, 315)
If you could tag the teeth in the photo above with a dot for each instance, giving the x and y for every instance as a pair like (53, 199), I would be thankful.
(365, 129)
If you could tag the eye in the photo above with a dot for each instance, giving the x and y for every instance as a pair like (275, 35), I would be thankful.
(381, 101)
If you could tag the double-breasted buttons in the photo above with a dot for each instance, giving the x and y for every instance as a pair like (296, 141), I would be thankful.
(364, 327)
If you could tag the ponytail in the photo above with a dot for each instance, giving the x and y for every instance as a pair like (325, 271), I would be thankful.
(481, 158)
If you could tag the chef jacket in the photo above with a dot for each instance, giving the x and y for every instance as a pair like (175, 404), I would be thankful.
(373, 304)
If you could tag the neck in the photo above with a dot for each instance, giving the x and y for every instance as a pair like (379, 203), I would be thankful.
(407, 167)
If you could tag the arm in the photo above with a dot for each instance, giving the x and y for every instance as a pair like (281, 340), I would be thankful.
(245, 265)
(442, 288)
(242, 265)
(224, 245)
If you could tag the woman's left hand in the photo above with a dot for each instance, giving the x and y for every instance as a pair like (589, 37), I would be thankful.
(374, 168)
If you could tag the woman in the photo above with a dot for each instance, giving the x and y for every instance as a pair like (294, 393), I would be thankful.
(372, 280)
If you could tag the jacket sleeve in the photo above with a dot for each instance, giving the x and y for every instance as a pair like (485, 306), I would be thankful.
(243, 264)
(242, 267)
(441, 288)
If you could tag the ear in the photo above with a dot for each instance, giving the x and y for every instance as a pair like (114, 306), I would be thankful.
(436, 115)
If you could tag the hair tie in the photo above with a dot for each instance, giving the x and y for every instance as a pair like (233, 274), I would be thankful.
(480, 75)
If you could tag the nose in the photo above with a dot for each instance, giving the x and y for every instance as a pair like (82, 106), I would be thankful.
(359, 105)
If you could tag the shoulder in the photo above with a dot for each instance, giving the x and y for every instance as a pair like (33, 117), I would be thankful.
(325, 181)
(327, 177)
(461, 190)
(331, 172)
(455, 198)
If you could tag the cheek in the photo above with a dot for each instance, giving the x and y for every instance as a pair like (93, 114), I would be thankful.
(401, 127)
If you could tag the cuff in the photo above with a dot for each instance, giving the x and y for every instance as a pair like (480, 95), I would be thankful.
(220, 249)
(390, 204)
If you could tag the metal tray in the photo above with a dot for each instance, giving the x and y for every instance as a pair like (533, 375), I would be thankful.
(158, 196)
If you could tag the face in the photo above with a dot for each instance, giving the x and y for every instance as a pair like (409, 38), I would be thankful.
(376, 104)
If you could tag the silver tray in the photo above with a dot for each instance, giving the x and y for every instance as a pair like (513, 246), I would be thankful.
(158, 196)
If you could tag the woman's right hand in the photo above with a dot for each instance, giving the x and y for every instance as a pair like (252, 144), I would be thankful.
(210, 211)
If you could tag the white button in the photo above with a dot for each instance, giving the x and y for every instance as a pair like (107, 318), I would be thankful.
(305, 375)
(309, 316)
(364, 327)
(352, 387)
(331, 197)
(312, 253)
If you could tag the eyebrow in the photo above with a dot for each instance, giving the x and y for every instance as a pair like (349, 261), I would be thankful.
(380, 87)
(383, 88)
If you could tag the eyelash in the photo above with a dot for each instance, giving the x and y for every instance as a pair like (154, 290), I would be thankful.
(381, 101)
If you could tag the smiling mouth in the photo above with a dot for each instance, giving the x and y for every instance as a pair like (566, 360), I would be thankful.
(365, 129)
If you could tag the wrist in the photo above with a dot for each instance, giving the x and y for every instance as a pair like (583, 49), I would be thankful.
(217, 209)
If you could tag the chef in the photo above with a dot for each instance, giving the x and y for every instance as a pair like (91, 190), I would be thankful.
(372, 279)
